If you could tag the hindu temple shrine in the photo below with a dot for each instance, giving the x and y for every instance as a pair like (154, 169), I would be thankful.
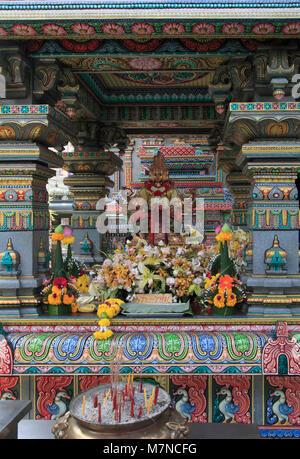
(149, 107)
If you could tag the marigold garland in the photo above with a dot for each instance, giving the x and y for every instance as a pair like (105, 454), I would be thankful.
(106, 311)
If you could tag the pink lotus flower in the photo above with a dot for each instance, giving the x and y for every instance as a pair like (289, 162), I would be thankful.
(3, 32)
(83, 29)
(291, 29)
(54, 30)
(113, 29)
(145, 63)
(142, 29)
(173, 28)
(203, 28)
(233, 28)
(68, 232)
(263, 28)
(218, 229)
(24, 30)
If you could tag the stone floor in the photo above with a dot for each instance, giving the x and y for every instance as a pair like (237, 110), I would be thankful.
(34, 429)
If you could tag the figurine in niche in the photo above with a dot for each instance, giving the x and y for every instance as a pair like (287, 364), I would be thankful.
(86, 245)
(43, 258)
(275, 258)
(158, 192)
(9, 260)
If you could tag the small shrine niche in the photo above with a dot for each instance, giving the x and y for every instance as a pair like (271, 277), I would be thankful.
(275, 258)
(9, 261)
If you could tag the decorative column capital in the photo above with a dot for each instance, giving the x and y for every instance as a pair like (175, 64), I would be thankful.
(41, 124)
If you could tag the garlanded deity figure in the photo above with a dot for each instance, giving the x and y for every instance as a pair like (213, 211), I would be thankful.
(164, 205)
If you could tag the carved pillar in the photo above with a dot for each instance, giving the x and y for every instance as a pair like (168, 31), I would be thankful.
(270, 156)
(239, 186)
(26, 132)
(91, 167)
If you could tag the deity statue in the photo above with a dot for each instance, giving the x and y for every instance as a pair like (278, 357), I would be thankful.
(164, 204)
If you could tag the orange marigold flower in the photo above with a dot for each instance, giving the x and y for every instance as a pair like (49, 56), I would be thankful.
(54, 299)
(226, 282)
(231, 299)
(68, 298)
(222, 236)
(57, 237)
(219, 300)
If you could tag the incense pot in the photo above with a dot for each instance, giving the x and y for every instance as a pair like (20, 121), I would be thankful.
(113, 419)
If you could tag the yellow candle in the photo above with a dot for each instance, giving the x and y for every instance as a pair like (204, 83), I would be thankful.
(106, 397)
(83, 405)
(145, 394)
(150, 403)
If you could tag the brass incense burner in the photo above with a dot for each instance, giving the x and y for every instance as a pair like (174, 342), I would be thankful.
(86, 420)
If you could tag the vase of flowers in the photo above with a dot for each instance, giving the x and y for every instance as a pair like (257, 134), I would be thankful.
(223, 289)
(60, 292)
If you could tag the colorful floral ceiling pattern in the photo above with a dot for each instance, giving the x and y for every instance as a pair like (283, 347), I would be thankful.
(154, 30)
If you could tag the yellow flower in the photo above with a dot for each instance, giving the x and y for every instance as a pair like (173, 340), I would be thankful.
(104, 323)
(82, 283)
(219, 300)
(222, 236)
(210, 281)
(115, 300)
(68, 240)
(103, 335)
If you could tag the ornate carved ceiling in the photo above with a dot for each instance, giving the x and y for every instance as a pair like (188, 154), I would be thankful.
(147, 66)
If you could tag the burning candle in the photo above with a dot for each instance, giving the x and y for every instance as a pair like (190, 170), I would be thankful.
(83, 405)
(141, 385)
(152, 395)
(99, 412)
(145, 394)
(140, 412)
(156, 395)
(133, 391)
(95, 401)
(119, 413)
(128, 380)
(106, 397)
(132, 408)
(150, 404)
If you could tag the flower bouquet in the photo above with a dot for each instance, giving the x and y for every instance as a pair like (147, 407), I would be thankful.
(146, 269)
(60, 292)
(223, 289)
